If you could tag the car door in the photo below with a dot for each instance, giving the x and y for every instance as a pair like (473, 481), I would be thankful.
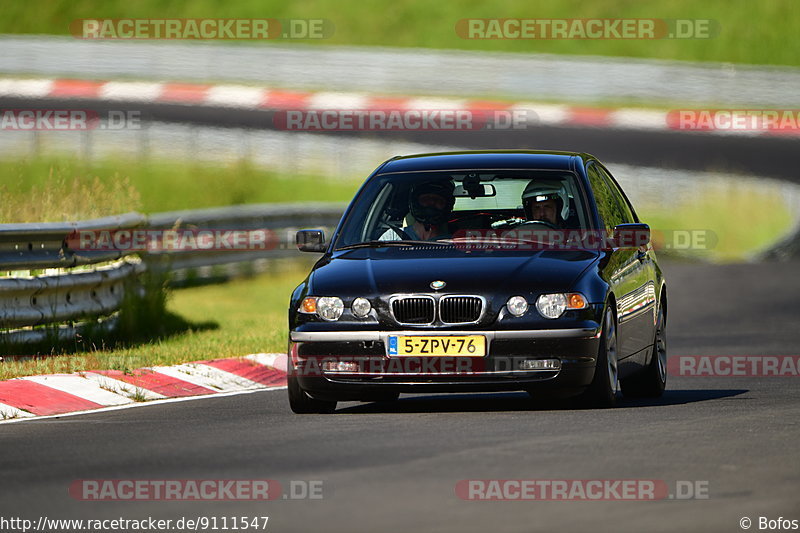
(630, 274)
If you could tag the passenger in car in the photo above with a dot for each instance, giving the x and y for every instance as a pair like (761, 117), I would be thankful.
(546, 201)
(430, 204)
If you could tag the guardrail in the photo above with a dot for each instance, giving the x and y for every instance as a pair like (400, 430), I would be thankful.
(49, 289)
(282, 221)
(44, 245)
(47, 282)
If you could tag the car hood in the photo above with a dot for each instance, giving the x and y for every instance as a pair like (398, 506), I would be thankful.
(386, 271)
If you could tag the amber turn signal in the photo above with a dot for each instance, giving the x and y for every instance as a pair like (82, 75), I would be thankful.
(576, 301)
(309, 305)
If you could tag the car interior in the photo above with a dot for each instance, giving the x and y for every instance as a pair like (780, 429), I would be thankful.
(485, 201)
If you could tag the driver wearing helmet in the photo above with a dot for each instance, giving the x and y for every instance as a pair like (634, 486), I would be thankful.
(546, 201)
(430, 204)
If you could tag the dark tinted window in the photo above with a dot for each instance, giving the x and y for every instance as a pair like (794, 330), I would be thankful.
(625, 208)
(611, 212)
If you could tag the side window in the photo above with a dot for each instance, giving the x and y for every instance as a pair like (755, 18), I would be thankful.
(607, 205)
(376, 217)
(625, 208)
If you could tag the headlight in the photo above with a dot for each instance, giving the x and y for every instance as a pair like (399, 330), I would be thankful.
(330, 307)
(554, 305)
(517, 305)
(361, 307)
(551, 305)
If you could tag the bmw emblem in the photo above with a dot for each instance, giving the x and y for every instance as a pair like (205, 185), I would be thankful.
(436, 285)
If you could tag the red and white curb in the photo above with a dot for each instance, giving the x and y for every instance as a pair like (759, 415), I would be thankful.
(249, 97)
(56, 394)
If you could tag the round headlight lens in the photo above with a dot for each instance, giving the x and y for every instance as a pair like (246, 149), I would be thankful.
(330, 307)
(361, 307)
(551, 305)
(517, 305)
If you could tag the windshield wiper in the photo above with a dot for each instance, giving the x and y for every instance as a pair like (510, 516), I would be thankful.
(381, 244)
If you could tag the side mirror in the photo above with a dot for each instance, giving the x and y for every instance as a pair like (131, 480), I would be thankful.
(631, 235)
(310, 240)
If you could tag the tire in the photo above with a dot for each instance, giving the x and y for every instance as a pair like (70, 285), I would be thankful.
(301, 403)
(602, 392)
(651, 381)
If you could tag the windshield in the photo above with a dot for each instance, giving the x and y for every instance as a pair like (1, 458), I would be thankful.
(398, 209)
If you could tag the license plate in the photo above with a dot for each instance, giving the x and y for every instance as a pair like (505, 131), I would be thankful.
(420, 346)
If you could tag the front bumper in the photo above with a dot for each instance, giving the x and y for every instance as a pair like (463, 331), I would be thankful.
(575, 350)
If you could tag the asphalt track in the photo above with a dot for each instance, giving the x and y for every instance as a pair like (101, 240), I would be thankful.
(394, 467)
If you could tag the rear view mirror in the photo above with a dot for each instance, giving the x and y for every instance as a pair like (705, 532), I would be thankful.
(475, 191)
(310, 240)
(631, 235)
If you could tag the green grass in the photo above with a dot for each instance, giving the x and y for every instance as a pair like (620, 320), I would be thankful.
(734, 221)
(751, 32)
(56, 189)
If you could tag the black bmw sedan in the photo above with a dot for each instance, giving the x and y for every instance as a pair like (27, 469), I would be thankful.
(480, 271)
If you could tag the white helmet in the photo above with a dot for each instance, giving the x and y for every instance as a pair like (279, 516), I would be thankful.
(540, 190)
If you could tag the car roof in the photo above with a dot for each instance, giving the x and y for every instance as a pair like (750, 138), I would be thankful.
(488, 159)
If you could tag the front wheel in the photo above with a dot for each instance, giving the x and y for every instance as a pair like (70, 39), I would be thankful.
(603, 390)
(650, 382)
(301, 403)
